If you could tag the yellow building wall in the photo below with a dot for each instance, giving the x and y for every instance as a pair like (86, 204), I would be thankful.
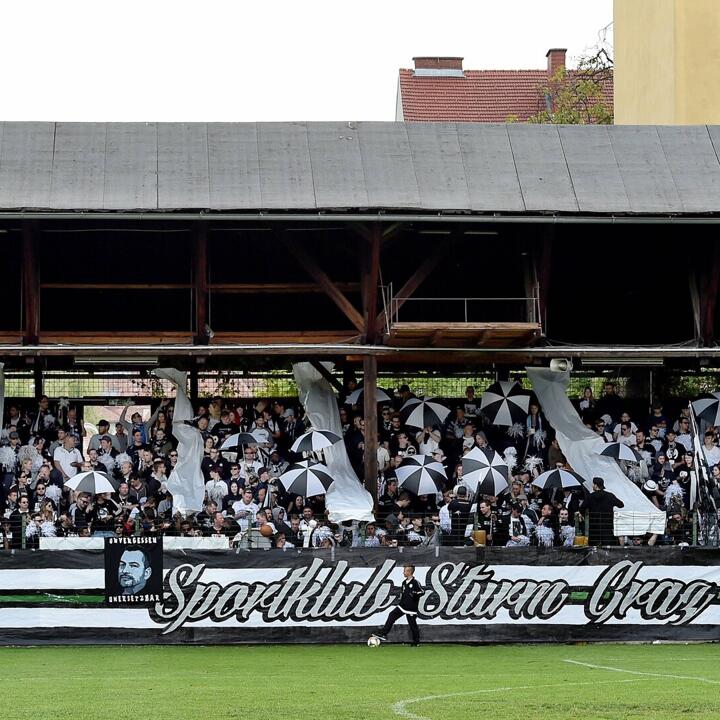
(667, 62)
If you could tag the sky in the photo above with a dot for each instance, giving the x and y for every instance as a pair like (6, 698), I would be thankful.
(211, 60)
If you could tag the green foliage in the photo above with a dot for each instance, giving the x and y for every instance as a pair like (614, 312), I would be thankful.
(576, 97)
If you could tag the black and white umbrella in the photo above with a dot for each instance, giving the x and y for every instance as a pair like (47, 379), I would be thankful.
(421, 475)
(90, 482)
(306, 478)
(235, 443)
(505, 403)
(708, 408)
(423, 413)
(558, 479)
(620, 451)
(354, 397)
(485, 471)
(315, 440)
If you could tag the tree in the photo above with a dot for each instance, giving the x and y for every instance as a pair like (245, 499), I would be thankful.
(577, 97)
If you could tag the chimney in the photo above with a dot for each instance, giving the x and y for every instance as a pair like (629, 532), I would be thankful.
(555, 60)
(439, 66)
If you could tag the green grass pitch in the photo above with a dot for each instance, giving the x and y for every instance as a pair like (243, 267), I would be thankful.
(436, 682)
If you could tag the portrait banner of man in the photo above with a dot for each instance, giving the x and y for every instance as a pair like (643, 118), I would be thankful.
(133, 571)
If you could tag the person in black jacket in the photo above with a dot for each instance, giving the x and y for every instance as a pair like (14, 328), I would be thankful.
(410, 593)
(600, 506)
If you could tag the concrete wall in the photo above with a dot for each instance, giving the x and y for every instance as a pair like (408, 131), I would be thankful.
(667, 62)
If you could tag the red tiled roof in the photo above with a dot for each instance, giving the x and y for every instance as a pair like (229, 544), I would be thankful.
(479, 96)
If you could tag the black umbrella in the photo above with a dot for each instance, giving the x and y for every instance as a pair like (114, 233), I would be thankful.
(505, 403)
(485, 471)
(306, 478)
(423, 413)
(620, 451)
(708, 408)
(421, 475)
(558, 479)
(315, 440)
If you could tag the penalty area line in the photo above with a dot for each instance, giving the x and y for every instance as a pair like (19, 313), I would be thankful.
(644, 674)
(400, 707)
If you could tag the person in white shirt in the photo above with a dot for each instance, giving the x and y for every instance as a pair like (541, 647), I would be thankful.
(215, 488)
(67, 458)
(245, 510)
(710, 449)
(626, 437)
(428, 440)
(684, 437)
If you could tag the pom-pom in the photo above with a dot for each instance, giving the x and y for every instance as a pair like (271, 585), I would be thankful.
(533, 462)
(516, 430)
(48, 421)
(8, 459)
(510, 457)
(64, 403)
(123, 457)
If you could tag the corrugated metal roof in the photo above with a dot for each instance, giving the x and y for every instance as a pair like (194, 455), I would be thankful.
(339, 166)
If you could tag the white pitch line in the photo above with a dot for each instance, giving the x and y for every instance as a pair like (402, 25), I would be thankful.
(400, 707)
(645, 674)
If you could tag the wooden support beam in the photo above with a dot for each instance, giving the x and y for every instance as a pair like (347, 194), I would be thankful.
(300, 255)
(278, 288)
(415, 280)
(371, 425)
(370, 281)
(115, 286)
(30, 285)
(200, 284)
(327, 375)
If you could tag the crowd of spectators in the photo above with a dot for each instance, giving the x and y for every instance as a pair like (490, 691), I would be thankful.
(44, 446)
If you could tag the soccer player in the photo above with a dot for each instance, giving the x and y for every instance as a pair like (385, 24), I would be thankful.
(410, 593)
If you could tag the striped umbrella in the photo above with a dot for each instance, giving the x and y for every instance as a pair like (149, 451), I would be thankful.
(306, 478)
(90, 482)
(708, 408)
(558, 479)
(485, 471)
(423, 413)
(234, 443)
(354, 397)
(505, 403)
(315, 440)
(620, 451)
(421, 475)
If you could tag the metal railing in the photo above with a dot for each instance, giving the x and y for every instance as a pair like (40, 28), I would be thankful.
(462, 309)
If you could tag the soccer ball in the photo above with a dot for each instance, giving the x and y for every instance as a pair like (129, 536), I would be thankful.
(373, 641)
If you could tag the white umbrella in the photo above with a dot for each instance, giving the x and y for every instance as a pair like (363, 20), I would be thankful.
(90, 482)
(355, 395)
(306, 478)
(424, 413)
(315, 440)
(486, 471)
(505, 403)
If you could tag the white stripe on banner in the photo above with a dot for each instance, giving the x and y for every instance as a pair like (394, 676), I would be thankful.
(140, 619)
(585, 576)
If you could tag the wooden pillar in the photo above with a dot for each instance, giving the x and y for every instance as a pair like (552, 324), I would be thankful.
(194, 394)
(709, 282)
(200, 285)
(370, 284)
(38, 378)
(31, 286)
(371, 424)
(544, 266)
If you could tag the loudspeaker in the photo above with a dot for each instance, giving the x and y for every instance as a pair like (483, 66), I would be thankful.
(561, 365)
